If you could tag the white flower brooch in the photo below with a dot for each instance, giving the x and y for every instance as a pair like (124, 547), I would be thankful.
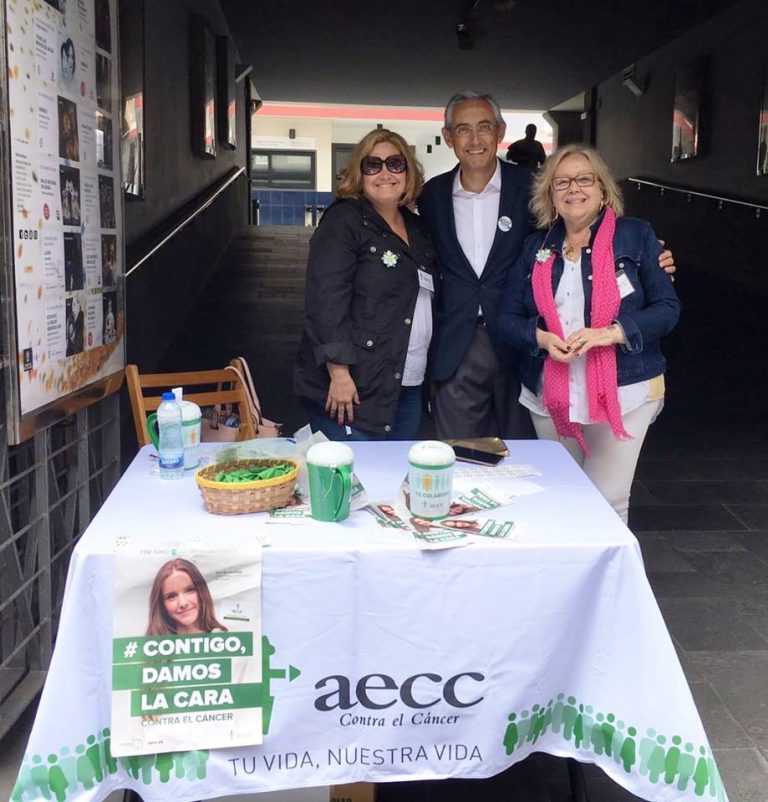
(389, 258)
(543, 254)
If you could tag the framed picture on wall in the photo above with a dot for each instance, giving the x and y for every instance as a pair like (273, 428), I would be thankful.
(132, 142)
(690, 83)
(202, 78)
(227, 99)
(762, 131)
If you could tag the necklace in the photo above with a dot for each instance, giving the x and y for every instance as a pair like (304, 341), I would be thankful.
(570, 251)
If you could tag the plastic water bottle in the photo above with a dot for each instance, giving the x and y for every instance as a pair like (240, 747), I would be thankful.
(170, 442)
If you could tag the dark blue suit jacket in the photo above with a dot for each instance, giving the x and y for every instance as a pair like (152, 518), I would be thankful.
(460, 291)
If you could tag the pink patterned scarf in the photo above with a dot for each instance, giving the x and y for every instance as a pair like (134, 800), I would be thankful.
(602, 388)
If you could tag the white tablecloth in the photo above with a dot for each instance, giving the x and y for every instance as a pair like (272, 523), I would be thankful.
(386, 662)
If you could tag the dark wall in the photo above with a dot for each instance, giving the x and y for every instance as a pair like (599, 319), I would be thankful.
(162, 292)
(722, 283)
(174, 173)
(569, 126)
(635, 134)
(719, 247)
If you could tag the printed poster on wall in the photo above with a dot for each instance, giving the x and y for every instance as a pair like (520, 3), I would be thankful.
(187, 658)
(65, 195)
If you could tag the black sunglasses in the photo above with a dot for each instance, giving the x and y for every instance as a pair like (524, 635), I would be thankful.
(371, 165)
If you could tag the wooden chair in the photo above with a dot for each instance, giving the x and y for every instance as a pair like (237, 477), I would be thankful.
(145, 391)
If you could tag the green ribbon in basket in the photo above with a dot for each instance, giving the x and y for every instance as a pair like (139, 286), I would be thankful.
(253, 474)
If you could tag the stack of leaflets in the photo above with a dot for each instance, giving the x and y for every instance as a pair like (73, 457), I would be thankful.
(466, 515)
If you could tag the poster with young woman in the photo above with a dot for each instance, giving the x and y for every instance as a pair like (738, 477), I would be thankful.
(64, 171)
(186, 650)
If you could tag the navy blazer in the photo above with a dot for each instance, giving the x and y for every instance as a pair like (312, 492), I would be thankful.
(645, 315)
(461, 292)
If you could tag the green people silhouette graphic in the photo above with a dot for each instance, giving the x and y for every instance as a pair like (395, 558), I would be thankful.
(608, 729)
(39, 776)
(57, 780)
(63, 775)
(511, 735)
(57, 777)
(627, 751)
(672, 760)
(655, 756)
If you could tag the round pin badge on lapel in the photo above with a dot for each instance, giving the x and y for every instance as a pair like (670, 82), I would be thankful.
(505, 224)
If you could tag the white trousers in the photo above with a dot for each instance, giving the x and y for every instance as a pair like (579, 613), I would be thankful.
(613, 462)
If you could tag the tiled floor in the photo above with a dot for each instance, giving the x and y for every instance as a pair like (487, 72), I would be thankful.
(700, 513)
(699, 510)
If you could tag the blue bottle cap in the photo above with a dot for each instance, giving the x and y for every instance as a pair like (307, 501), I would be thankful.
(169, 397)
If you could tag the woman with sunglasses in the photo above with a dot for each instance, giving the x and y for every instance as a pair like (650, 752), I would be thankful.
(587, 305)
(370, 282)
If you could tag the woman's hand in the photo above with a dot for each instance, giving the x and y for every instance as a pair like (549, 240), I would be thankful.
(582, 340)
(342, 395)
(553, 345)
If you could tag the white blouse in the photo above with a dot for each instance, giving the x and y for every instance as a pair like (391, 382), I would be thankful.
(569, 300)
(418, 343)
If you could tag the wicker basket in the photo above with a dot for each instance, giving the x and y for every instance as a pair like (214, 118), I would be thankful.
(235, 498)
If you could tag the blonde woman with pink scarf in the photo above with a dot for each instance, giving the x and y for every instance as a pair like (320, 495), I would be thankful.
(587, 305)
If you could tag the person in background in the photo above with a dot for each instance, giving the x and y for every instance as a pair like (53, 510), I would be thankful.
(528, 152)
(180, 602)
(478, 218)
(370, 282)
(586, 306)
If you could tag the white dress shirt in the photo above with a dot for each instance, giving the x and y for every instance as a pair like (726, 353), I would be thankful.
(477, 215)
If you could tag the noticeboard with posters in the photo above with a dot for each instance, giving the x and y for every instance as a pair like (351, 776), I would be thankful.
(64, 324)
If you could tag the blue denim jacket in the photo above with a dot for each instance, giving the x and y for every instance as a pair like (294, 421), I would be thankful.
(646, 315)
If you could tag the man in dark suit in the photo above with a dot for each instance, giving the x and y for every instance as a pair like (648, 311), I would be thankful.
(478, 217)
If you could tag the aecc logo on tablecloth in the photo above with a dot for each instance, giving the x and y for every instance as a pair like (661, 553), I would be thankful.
(378, 692)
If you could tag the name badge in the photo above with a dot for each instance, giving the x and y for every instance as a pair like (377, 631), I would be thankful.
(426, 281)
(625, 285)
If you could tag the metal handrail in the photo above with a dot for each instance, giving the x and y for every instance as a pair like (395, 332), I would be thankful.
(206, 198)
(683, 191)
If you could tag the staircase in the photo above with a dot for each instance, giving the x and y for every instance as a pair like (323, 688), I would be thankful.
(254, 307)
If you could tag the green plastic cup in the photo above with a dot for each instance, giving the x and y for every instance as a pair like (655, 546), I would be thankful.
(329, 469)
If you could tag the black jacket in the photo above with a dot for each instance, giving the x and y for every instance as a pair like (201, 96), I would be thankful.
(461, 291)
(358, 309)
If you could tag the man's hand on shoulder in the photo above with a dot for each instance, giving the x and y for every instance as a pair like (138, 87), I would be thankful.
(667, 261)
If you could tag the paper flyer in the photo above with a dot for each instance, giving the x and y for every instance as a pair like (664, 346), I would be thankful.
(465, 516)
(467, 498)
(484, 473)
(187, 662)
(434, 535)
(385, 515)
